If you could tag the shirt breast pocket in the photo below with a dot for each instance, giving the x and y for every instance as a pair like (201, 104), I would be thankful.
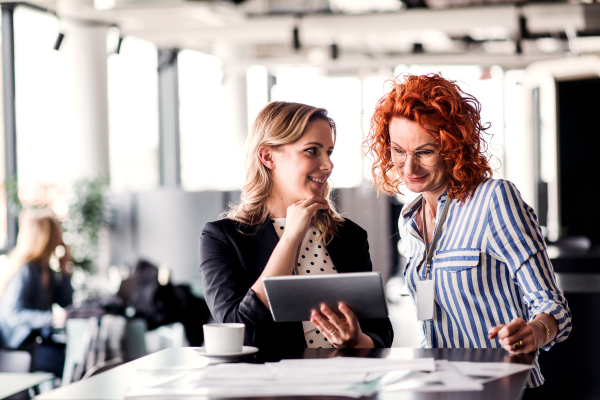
(456, 260)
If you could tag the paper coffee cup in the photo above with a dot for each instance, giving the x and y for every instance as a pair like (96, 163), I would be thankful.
(223, 338)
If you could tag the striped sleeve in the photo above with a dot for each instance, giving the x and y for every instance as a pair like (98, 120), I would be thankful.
(513, 232)
(514, 235)
(542, 295)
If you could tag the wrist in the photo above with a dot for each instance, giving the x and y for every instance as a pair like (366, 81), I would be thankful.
(290, 240)
(539, 332)
(365, 342)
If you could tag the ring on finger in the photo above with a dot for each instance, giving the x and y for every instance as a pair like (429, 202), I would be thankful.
(333, 333)
(518, 345)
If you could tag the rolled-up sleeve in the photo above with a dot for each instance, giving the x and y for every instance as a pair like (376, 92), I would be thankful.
(536, 279)
(227, 287)
(515, 236)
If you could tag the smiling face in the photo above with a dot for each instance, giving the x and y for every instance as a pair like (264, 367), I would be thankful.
(301, 169)
(409, 136)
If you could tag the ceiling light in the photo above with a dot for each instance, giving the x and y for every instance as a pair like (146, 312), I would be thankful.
(104, 4)
(548, 45)
(119, 43)
(296, 36)
(334, 51)
(59, 40)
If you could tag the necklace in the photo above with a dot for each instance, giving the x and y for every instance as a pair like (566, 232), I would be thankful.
(433, 218)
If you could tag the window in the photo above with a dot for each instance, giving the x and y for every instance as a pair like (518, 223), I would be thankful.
(212, 148)
(47, 141)
(341, 96)
(133, 116)
(46, 150)
(374, 87)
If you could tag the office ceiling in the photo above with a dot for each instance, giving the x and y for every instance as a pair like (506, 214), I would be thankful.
(351, 34)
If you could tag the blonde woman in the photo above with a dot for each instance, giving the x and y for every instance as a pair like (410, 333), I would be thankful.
(285, 225)
(29, 288)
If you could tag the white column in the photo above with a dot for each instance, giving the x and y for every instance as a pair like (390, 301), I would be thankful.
(86, 86)
(235, 83)
(84, 48)
(235, 127)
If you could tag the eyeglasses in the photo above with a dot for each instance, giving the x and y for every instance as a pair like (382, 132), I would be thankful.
(427, 158)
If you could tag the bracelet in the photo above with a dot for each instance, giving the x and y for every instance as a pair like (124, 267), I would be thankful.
(547, 329)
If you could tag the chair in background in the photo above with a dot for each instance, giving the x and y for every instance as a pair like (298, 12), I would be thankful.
(81, 332)
(134, 343)
(108, 345)
(96, 345)
(15, 361)
(171, 335)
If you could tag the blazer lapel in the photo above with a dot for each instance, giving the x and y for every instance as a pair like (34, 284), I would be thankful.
(263, 243)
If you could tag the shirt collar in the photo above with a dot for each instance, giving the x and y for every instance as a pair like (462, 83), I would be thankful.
(411, 208)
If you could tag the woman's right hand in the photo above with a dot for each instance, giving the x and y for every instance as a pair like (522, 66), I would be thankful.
(301, 215)
(299, 218)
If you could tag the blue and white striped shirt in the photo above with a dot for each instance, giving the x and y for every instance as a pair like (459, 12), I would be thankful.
(490, 265)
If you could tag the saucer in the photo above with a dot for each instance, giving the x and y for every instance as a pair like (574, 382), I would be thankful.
(227, 357)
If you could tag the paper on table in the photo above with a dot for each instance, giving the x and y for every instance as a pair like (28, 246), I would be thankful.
(445, 379)
(250, 380)
(258, 391)
(340, 376)
(344, 365)
(489, 371)
(236, 371)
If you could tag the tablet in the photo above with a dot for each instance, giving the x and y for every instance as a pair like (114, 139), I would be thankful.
(293, 297)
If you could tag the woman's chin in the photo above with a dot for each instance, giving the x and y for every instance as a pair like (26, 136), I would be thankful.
(318, 193)
(413, 187)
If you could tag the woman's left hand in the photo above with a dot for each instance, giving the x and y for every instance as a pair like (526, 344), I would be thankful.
(518, 337)
(340, 330)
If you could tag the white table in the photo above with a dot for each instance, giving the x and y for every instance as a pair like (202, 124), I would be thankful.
(113, 384)
(13, 382)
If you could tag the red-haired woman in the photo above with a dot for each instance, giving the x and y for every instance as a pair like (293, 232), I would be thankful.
(477, 263)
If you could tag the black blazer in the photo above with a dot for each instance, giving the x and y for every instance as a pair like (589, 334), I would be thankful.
(232, 257)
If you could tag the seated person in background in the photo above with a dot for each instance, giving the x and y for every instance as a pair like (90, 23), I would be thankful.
(29, 288)
(286, 225)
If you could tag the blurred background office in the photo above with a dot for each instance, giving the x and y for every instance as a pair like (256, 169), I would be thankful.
(128, 119)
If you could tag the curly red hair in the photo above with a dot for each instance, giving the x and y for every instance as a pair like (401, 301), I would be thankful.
(455, 115)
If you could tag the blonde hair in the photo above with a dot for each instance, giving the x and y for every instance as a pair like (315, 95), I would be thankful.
(278, 124)
(39, 233)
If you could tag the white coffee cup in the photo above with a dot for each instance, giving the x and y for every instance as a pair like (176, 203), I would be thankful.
(223, 338)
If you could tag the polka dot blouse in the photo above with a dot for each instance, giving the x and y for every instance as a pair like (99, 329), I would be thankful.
(313, 259)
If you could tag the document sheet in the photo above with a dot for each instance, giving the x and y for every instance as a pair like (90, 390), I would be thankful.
(338, 376)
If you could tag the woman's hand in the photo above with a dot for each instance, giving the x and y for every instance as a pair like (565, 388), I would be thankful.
(65, 261)
(341, 331)
(59, 317)
(518, 337)
(301, 215)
